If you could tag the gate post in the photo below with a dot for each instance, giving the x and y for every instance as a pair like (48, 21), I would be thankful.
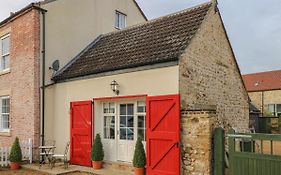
(231, 150)
(219, 152)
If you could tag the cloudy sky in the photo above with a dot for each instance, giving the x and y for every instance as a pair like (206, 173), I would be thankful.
(253, 26)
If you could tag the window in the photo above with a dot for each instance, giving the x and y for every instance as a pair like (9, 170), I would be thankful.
(4, 114)
(141, 119)
(109, 120)
(126, 122)
(5, 53)
(120, 20)
(274, 109)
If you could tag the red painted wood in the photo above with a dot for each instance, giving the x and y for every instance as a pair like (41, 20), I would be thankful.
(81, 133)
(120, 97)
(163, 135)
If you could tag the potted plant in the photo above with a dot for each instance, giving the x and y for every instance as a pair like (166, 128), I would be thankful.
(139, 160)
(97, 153)
(15, 156)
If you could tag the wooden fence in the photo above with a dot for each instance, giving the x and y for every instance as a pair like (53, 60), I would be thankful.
(26, 148)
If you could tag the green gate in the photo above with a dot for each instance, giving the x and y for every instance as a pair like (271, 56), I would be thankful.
(254, 154)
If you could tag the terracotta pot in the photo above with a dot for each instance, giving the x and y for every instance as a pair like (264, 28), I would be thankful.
(139, 171)
(14, 166)
(97, 164)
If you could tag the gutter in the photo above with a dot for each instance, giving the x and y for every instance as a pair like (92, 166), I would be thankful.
(42, 129)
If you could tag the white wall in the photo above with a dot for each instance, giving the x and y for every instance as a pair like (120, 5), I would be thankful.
(160, 81)
(71, 25)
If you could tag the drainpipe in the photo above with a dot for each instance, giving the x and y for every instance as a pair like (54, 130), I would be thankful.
(43, 78)
(262, 103)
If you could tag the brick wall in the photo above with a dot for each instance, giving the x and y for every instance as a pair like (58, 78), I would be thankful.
(196, 136)
(265, 98)
(22, 83)
(210, 78)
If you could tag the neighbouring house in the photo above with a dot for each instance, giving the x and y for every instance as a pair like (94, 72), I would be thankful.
(169, 81)
(32, 39)
(264, 89)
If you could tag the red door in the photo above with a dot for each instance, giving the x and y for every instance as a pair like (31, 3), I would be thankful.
(81, 133)
(163, 135)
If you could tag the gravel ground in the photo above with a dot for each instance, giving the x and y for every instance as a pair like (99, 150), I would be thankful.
(32, 172)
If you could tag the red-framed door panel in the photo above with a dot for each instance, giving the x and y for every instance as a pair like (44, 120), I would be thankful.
(81, 132)
(163, 135)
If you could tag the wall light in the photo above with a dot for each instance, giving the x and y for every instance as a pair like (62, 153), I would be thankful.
(114, 87)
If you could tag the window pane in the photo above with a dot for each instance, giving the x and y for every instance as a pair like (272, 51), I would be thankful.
(141, 106)
(122, 109)
(123, 133)
(5, 45)
(5, 118)
(130, 132)
(278, 108)
(5, 62)
(117, 20)
(120, 20)
(141, 121)
(130, 109)
(130, 121)
(109, 127)
(123, 121)
(111, 108)
(141, 134)
(105, 108)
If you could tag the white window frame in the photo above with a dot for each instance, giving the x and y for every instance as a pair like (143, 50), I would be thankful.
(6, 54)
(117, 23)
(274, 113)
(1, 117)
(108, 114)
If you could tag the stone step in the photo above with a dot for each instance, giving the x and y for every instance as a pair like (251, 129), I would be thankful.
(119, 166)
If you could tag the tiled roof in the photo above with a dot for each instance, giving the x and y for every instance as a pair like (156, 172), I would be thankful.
(157, 41)
(263, 81)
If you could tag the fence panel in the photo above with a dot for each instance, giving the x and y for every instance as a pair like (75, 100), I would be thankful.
(26, 148)
(254, 154)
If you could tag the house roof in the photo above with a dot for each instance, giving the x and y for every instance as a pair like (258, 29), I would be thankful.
(21, 12)
(156, 41)
(263, 81)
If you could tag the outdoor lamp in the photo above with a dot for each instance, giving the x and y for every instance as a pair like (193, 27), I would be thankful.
(114, 87)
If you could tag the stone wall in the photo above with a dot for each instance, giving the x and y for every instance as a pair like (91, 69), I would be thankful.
(21, 83)
(196, 138)
(210, 77)
(265, 98)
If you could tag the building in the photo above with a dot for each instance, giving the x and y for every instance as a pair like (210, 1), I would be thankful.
(32, 39)
(160, 80)
(264, 89)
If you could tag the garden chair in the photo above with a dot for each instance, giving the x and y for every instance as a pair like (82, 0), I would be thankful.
(64, 156)
(46, 153)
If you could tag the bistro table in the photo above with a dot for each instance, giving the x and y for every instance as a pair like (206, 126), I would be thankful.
(46, 152)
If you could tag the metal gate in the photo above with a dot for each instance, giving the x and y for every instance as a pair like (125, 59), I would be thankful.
(254, 154)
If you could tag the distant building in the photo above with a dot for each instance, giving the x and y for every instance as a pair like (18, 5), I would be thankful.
(264, 89)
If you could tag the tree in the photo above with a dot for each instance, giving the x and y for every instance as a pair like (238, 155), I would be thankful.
(97, 153)
(16, 154)
(139, 160)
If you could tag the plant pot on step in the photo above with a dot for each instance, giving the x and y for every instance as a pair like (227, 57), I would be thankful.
(139, 171)
(97, 164)
(139, 160)
(15, 156)
(14, 166)
(97, 153)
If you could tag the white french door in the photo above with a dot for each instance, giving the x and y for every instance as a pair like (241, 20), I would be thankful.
(123, 123)
(126, 132)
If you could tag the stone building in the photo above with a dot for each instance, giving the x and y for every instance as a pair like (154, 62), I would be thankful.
(264, 89)
(32, 39)
(170, 81)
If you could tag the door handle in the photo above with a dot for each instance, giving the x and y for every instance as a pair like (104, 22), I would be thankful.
(177, 144)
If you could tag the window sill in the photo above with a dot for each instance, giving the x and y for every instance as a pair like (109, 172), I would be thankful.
(6, 134)
(6, 71)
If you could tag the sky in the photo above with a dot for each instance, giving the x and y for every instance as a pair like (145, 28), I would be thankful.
(253, 26)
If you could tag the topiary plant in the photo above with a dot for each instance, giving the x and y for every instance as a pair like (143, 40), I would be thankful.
(16, 154)
(97, 153)
(139, 160)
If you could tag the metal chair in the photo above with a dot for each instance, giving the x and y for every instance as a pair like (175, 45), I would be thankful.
(47, 153)
(64, 156)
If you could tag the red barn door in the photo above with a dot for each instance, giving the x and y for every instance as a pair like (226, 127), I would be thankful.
(163, 135)
(81, 133)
